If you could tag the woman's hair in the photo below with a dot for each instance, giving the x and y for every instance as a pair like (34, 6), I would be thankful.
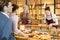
(14, 7)
(2, 4)
(47, 8)
(25, 6)
(1, 7)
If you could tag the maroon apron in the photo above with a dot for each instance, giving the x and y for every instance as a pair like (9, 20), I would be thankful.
(51, 21)
(25, 19)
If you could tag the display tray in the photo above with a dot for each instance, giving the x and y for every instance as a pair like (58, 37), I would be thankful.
(36, 37)
(47, 37)
(39, 35)
(23, 38)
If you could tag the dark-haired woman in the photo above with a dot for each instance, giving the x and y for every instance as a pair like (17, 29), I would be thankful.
(50, 18)
(14, 19)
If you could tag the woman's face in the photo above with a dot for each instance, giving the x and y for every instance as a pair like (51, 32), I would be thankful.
(47, 13)
(10, 7)
(25, 8)
(16, 11)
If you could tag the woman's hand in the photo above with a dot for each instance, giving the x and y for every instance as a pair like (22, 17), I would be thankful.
(27, 35)
(29, 21)
(50, 26)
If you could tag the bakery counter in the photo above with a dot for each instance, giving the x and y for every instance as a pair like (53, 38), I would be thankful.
(36, 35)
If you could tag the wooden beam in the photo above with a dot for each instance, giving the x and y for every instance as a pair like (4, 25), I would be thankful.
(54, 6)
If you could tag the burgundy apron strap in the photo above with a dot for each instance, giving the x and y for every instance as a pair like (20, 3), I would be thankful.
(51, 14)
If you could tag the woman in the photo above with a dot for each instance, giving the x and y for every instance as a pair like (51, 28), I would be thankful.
(24, 16)
(14, 19)
(50, 18)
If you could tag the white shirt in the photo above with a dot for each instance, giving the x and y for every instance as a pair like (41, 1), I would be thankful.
(14, 19)
(49, 17)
